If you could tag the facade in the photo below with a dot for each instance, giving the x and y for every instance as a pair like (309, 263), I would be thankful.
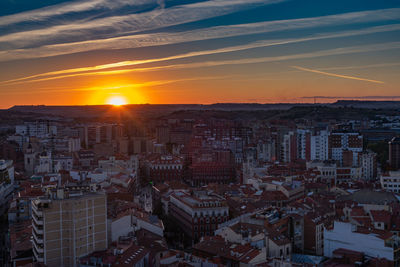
(320, 146)
(394, 153)
(289, 147)
(314, 225)
(303, 144)
(36, 129)
(68, 225)
(341, 143)
(367, 162)
(198, 214)
(391, 181)
(6, 182)
(163, 168)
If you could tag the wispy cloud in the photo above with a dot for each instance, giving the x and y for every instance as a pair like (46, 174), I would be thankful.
(252, 45)
(118, 88)
(336, 75)
(128, 24)
(51, 12)
(156, 39)
(322, 53)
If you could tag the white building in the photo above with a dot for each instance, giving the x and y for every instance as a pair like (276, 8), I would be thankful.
(345, 235)
(74, 144)
(391, 181)
(120, 226)
(45, 163)
(327, 169)
(62, 162)
(151, 223)
(266, 151)
(287, 147)
(320, 146)
(37, 129)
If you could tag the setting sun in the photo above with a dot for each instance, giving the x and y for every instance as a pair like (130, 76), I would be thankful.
(116, 101)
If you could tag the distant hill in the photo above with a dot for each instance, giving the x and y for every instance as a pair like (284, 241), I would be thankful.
(367, 104)
(150, 110)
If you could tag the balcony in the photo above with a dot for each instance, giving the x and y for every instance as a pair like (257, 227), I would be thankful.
(36, 210)
(37, 220)
(37, 239)
(38, 249)
(37, 230)
(38, 256)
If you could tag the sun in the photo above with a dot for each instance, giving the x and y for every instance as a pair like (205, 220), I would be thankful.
(117, 101)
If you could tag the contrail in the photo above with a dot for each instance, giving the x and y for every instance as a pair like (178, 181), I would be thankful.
(337, 75)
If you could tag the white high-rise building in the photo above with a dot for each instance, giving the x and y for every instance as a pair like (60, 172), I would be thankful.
(320, 146)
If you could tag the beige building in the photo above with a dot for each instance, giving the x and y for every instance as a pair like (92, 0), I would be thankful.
(68, 225)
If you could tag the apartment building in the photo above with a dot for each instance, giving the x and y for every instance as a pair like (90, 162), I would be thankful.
(6, 183)
(67, 225)
(394, 153)
(391, 181)
(345, 147)
(199, 213)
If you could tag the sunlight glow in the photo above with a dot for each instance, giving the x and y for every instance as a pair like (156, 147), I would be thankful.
(117, 101)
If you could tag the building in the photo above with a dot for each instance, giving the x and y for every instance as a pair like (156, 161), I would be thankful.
(199, 213)
(162, 168)
(227, 253)
(367, 162)
(314, 225)
(374, 243)
(212, 166)
(343, 144)
(37, 129)
(391, 181)
(6, 182)
(289, 147)
(394, 153)
(303, 144)
(68, 225)
(100, 133)
(320, 146)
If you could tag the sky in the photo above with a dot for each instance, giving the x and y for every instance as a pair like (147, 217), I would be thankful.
(88, 52)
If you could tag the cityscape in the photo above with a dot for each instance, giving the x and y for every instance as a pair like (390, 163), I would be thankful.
(199, 133)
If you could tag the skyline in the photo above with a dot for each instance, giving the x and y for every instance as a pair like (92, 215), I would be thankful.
(165, 52)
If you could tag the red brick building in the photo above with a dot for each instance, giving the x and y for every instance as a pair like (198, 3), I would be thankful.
(162, 168)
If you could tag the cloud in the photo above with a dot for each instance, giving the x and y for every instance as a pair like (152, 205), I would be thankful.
(322, 53)
(337, 75)
(122, 87)
(128, 24)
(164, 38)
(258, 44)
(48, 13)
